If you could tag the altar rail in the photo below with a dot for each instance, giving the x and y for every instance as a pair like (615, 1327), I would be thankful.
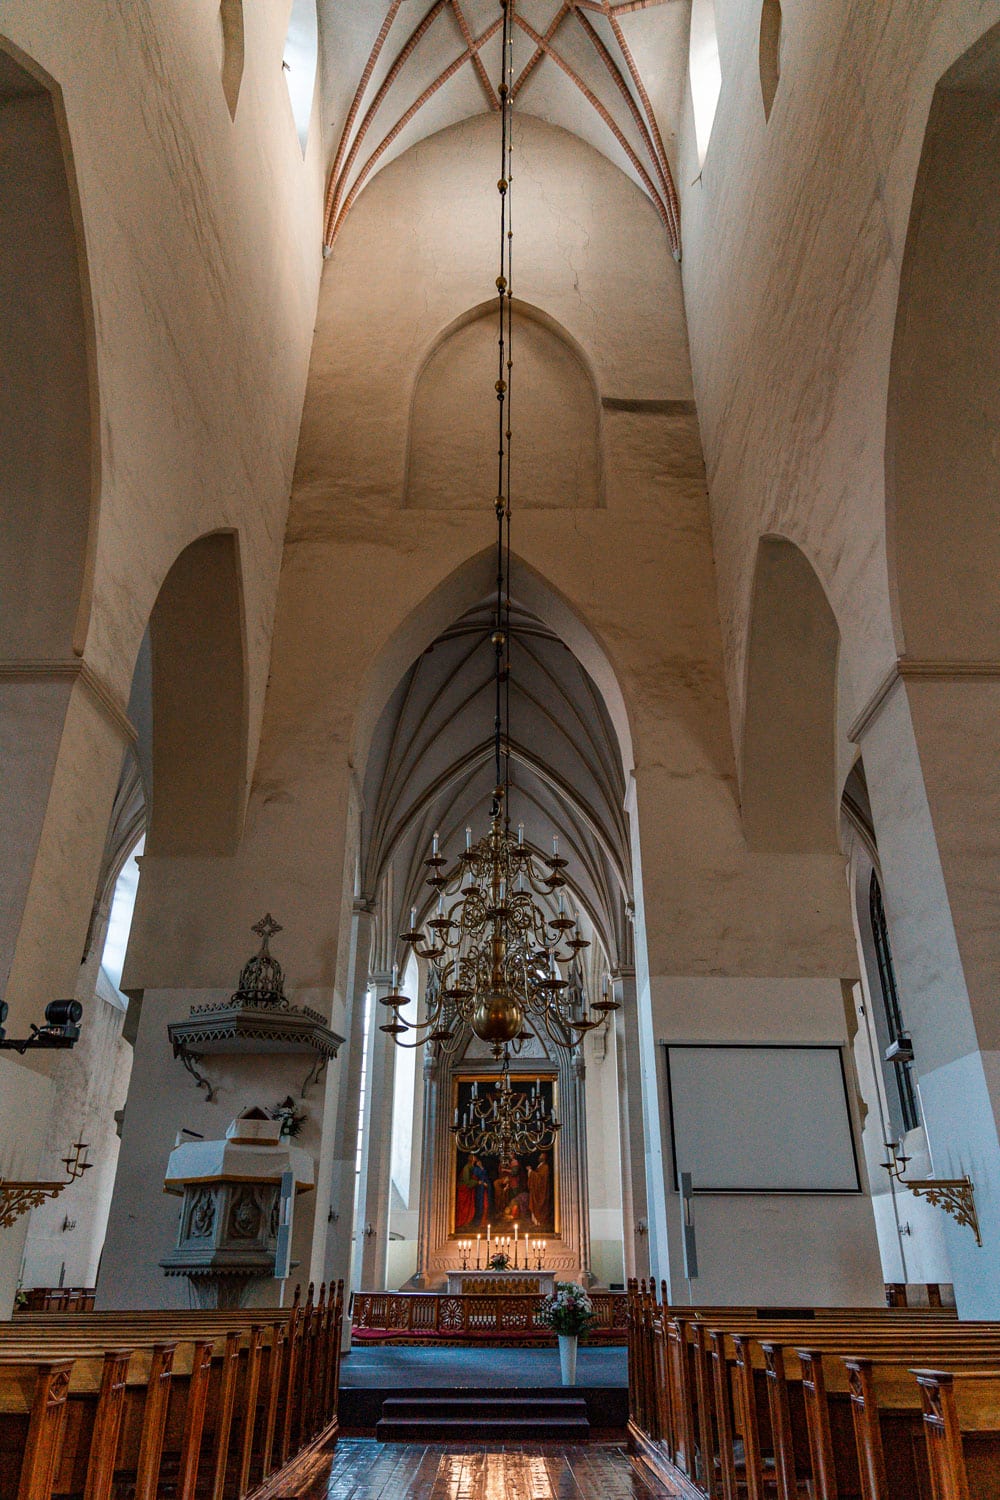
(773, 1403)
(446, 1318)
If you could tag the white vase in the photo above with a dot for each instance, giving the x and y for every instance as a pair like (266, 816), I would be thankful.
(567, 1357)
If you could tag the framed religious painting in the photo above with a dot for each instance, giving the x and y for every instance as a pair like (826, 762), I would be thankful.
(521, 1191)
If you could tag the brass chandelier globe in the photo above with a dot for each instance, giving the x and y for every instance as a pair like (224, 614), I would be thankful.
(496, 956)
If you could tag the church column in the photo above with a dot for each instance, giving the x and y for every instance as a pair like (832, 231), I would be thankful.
(630, 1128)
(579, 1076)
(431, 1094)
(62, 738)
(340, 1238)
(931, 802)
(376, 1157)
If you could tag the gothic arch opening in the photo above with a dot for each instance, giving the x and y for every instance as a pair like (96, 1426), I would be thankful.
(942, 462)
(788, 770)
(47, 452)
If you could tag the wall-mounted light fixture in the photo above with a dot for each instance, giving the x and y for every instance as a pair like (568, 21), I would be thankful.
(956, 1195)
(61, 1029)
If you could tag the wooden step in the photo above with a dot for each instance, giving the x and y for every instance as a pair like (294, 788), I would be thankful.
(475, 1417)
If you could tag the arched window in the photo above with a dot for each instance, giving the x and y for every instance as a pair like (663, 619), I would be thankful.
(898, 1054)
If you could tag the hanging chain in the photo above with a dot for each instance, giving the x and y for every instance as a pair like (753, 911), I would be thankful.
(505, 365)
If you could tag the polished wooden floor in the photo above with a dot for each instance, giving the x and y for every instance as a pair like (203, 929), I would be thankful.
(363, 1469)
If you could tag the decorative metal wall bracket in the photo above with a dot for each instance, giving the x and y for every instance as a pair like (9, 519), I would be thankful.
(17, 1198)
(956, 1195)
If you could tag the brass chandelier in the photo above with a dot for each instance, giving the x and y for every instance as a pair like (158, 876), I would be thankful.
(496, 956)
(505, 1123)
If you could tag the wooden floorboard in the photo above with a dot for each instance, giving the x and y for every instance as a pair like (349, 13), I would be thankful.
(362, 1469)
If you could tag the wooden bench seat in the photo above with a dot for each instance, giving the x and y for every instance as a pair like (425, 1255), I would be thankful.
(823, 1402)
(189, 1403)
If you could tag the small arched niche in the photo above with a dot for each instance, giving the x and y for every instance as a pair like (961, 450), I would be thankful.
(769, 52)
(199, 696)
(942, 453)
(555, 419)
(232, 46)
(788, 763)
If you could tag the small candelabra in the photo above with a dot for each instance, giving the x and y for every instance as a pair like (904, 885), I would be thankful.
(465, 1250)
(19, 1197)
(956, 1195)
(539, 1249)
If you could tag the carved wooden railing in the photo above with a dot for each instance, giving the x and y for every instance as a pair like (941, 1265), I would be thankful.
(429, 1317)
(58, 1299)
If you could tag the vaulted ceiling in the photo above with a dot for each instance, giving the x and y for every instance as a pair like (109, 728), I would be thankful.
(431, 769)
(397, 71)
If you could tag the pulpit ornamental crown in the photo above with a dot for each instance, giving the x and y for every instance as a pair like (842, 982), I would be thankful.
(262, 979)
(257, 1018)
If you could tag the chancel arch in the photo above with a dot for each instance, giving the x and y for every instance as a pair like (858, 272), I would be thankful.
(430, 769)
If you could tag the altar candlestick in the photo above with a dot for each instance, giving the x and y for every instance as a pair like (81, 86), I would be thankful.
(478, 1239)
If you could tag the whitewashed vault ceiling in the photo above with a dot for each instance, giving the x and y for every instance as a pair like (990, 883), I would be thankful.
(431, 768)
(397, 71)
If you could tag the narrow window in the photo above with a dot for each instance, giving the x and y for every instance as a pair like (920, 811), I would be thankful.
(300, 62)
(898, 1060)
(705, 70)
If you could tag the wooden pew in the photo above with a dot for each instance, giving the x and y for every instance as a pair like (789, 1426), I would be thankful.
(193, 1402)
(763, 1405)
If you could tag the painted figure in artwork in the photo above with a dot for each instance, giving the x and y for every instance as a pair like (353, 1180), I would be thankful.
(472, 1194)
(540, 1191)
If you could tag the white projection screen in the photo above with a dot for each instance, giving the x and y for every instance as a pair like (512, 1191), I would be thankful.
(761, 1119)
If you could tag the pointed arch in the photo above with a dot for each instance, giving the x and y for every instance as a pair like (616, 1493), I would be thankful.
(942, 462)
(49, 453)
(788, 760)
(466, 585)
(199, 702)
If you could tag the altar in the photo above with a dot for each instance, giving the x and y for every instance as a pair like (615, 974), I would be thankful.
(525, 1283)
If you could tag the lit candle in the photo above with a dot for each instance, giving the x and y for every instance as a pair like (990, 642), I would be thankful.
(478, 1243)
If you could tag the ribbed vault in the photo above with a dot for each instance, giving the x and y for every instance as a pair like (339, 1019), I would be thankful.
(431, 769)
(607, 70)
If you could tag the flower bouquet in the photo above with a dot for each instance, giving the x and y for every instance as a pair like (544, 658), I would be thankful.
(570, 1311)
(499, 1262)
